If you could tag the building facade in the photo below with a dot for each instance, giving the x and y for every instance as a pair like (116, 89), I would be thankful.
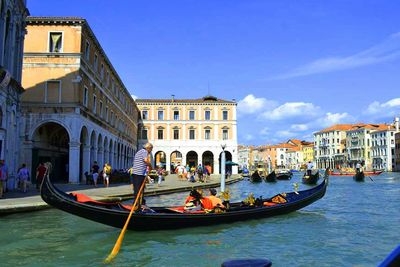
(75, 107)
(243, 156)
(330, 146)
(190, 131)
(308, 153)
(383, 150)
(397, 151)
(12, 33)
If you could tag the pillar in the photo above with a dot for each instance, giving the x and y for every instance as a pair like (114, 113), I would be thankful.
(74, 153)
(85, 161)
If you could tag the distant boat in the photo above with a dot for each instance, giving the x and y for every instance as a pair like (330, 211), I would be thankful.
(359, 177)
(283, 174)
(255, 177)
(294, 170)
(245, 172)
(271, 178)
(312, 179)
(368, 173)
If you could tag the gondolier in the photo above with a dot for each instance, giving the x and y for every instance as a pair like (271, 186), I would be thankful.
(140, 164)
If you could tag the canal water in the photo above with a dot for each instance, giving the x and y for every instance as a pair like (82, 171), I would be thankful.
(355, 224)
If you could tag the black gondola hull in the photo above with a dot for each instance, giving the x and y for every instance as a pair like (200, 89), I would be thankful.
(359, 177)
(271, 178)
(164, 218)
(313, 179)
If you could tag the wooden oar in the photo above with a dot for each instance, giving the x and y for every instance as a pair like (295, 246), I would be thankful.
(371, 178)
(118, 244)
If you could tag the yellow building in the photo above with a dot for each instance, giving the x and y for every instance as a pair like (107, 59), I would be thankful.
(308, 153)
(76, 108)
(190, 131)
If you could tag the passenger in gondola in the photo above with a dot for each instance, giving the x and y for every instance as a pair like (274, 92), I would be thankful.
(216, 201)
(193, 201)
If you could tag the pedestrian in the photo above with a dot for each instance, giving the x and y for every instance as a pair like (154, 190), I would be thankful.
(23, 177)
(130, 172)
(160, 172)
(205, 174)
(95, 173)
(106, 174)
(140, 163)
(4, 174)
(200, 172)
(358, 167)
(40, 173)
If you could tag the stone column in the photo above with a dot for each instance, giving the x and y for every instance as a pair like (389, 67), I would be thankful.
(74, 153)
(168, 163)
(100, 157)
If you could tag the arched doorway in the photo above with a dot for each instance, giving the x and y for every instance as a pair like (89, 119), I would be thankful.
(84, 154)
(228, 157)
(50, 143)
(192, 158)
(208, 159)
(160, 159)
(176, 159)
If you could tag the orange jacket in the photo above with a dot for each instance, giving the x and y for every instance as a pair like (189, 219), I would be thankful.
(206, 203)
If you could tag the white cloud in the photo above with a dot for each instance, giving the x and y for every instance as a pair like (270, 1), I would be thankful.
(390, 107)
(330, 119)
(248, 137)
(299, 127)
(387, 50)
(264, 131)
(286, 133)
(134, 97)
(251, 104)
(291, 110)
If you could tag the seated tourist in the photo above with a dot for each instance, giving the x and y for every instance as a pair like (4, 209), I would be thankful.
(216, 201)
(193, 201)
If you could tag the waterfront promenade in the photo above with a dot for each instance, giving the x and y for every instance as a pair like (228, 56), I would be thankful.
(16, 201)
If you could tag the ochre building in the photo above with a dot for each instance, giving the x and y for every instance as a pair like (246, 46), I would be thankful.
(76, 108)
(190, 131)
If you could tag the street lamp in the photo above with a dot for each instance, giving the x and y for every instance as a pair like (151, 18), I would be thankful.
(223, 146)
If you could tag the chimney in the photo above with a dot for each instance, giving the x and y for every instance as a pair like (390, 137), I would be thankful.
(172, 98)
(396, 123)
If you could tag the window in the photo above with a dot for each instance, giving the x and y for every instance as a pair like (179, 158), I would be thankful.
(53, 92)
(176, 115)
(191, 115)
(101, 109)
(55, 42)
(207, 115)
(144, 133)
(160, 134)
(225, 115)
(160, 115)
(102, 71)
(224, 134)
(107, 114)
(176, 134)
(144, 115)
(87, 51)
(191, 134)
(85, 96)
(96, 62)
(94, 104)
(207, 134)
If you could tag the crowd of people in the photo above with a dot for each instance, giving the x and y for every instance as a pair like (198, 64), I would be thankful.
(189, 173)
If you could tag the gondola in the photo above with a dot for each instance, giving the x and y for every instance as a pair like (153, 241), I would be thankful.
(284, 175)
(271, 178)
(255, 177)
(368, 173)
(310, 179)
(161, 218)
(359, 177)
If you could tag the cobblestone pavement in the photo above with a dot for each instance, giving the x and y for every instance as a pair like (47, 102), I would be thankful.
(16, 201)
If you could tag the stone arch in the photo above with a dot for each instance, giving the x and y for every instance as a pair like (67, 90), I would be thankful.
(100, 150)
(192, 158)
(208, 159)
(50, 143)
(175, 159)
(84, 154)
(160, 159)
(228, 157)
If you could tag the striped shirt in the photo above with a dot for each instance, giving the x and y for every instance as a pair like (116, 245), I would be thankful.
(139, 166)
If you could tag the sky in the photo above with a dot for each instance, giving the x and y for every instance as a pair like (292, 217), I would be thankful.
(294, 67)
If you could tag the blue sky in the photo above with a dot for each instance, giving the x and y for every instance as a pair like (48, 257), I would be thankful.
(293, 66)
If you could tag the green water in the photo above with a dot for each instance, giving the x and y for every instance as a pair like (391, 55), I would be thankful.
(355, 224)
